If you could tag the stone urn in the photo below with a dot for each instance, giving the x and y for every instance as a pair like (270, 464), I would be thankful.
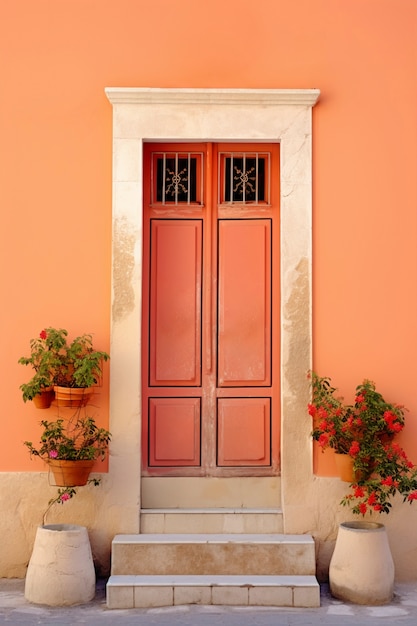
(61, 569)
(361, 568)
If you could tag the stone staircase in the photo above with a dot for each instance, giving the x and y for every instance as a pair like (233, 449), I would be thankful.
(214, 556)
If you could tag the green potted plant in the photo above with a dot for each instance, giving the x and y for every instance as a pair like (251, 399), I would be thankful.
(70, 448)
(72, 368)
(80, 368)
(357, 433)
(44, 351)
(364, 432)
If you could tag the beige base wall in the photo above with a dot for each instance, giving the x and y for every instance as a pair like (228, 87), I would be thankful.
(24, 498)
(321, 515)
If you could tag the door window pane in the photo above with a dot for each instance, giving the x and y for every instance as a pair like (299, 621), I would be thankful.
(244, 178)
(177, 178)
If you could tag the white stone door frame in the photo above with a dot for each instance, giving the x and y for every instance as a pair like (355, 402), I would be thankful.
(217, 115)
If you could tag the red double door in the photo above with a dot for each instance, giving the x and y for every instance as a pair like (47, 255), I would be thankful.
(211, 310)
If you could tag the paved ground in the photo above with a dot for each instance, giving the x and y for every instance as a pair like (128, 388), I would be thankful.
(16, 611)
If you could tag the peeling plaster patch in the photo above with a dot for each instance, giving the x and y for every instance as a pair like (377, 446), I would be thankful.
(123, 267)
(296, 324)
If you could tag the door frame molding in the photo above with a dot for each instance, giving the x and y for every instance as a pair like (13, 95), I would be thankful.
(218, 115)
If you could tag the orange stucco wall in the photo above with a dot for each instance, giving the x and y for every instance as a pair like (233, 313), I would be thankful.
(55, 167)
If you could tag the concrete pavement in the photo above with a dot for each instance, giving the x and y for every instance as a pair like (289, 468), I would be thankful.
(16, 611)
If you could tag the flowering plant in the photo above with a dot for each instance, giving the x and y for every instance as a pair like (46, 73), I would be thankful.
(365, 432)
(340, 426)
(75, 440)
(44, 359)
(59, 362)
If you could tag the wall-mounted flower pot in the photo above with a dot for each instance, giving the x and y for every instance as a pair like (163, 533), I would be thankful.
(44, 399)
(73, 396)
(361, 568)
(70, 473)
(61, 569)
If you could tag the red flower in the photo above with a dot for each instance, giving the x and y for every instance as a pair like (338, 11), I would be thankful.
(388, 481)
(354, 448)
(323, 440)
(359, 399)
(362, 508)
(43, 334)
(359, 492)
(322, 413)
(377, 507)
(312, 410)
(412, 496)
(372, 499)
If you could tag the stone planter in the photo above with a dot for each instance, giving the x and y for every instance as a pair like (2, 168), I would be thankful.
(61, 570)
(361, 568)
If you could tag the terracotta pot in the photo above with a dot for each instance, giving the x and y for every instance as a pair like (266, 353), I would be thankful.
(44, 399)
(61, 569)
(344, 464)
(361, 568)
(70, 473)
(73, 396)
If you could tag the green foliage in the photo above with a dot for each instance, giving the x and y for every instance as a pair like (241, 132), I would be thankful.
(365, 431)
(57, 362)
(77, 439)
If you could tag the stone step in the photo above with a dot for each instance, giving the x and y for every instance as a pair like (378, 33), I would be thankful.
(213, 554)
(211, 520)
(127, 592)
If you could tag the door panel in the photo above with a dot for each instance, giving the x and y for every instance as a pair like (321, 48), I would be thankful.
(244, 431)
(244, 344)
(175, 302)
(174, 433)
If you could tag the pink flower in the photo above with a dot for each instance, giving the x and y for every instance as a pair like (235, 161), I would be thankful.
(53, 454)
(65, 497)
